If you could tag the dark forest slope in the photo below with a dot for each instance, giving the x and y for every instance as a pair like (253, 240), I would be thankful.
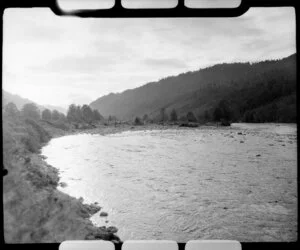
(251, 90)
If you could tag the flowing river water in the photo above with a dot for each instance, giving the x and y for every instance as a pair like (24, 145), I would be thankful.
(181, 184)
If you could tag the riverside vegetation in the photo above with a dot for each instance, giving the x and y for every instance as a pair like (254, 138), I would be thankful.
(34, 210)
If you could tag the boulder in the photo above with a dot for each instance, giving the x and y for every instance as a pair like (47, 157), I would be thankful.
(103, 214)
(112, 229)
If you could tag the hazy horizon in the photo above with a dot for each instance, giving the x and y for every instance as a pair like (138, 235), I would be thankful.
(58, 61)
(120, 92)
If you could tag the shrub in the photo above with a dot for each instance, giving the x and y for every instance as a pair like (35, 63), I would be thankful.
(38, 131)
(191, 117)
(138, 121)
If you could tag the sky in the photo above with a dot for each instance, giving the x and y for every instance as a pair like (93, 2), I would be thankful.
(63, 60)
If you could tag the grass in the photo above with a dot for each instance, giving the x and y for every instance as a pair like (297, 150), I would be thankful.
(34, 210)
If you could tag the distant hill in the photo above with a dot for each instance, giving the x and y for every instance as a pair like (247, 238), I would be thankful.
(247, 87)
(20, 101)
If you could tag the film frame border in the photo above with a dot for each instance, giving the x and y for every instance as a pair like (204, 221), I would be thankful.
(117, 11)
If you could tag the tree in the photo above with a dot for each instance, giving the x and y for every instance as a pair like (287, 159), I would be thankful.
(78, 114)
(62, 117)
(183, 118)
(145, 118)
(223, 111)
(55, 115)
(97, 116)
(30, 110)
(46, 115)
(163, 116)
(137, 121)
(206, 115)
(87, 113)
(71, 114)
(191, 117)
(217, 114)
(11, 109)
(173, 116)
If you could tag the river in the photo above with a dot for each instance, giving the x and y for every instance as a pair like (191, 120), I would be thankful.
(182, 184)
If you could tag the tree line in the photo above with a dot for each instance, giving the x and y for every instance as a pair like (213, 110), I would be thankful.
(83, 114)
(165, 117)
(75, 114)
(31, 110)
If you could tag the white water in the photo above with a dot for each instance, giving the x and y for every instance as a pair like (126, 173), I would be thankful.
(184, 184)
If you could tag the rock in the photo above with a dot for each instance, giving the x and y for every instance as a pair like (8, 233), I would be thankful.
(225, 208)
(258, 155)
(90, 237)
(103, 214)
(239, 133)
(241, 141)
(63, 184)
(92, 208)
(189, 125)
(112, 229)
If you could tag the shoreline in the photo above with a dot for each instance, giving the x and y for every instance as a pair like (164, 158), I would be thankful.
(65, 217)
(35, 211)
(109, 233)
(120, 129)
(88, 210)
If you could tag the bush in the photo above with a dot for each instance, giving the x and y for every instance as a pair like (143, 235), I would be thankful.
(138, 121)
(191, 117)
(37, 131)
(31, 143)
(225, 122)
(40, 177)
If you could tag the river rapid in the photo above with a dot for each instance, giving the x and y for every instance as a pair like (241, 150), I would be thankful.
(184, 184)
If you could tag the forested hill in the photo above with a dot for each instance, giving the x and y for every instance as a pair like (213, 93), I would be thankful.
(257, 92)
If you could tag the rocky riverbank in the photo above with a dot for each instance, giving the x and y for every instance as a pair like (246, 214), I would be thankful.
(34, 210)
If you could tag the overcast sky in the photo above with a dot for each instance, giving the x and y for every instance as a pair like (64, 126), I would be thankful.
(63, 60)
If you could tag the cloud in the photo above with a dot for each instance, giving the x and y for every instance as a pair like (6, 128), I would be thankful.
(79, 99)
(171, 63)
(77, 64)
(45, 55)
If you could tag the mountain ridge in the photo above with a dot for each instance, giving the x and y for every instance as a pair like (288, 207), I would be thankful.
(181, 92)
